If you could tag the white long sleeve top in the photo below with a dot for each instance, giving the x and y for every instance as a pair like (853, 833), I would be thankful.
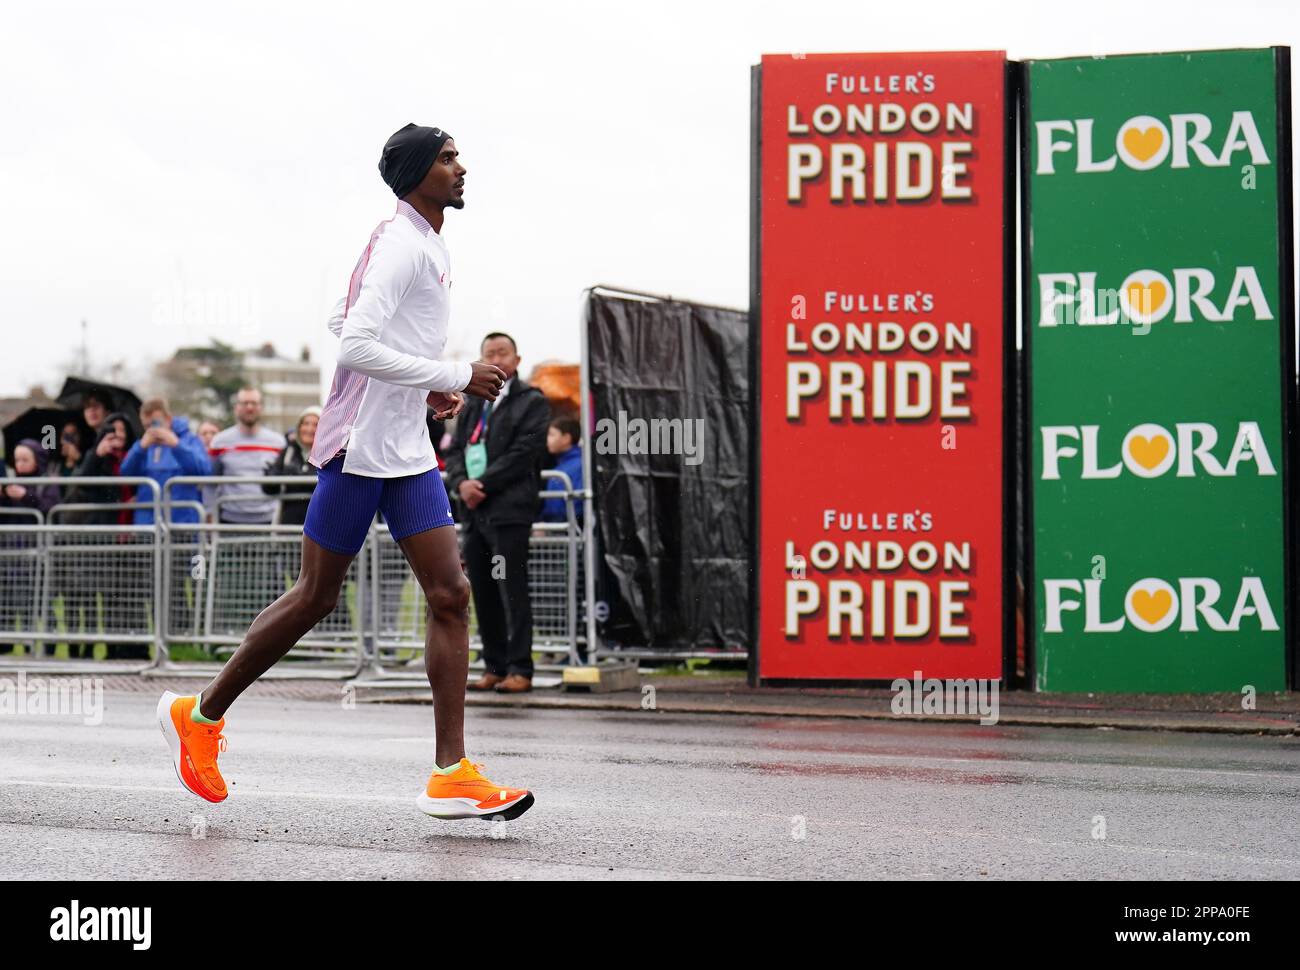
(392, 326)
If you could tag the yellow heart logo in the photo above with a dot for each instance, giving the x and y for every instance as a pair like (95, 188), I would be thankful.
(1146, 298)
(1152, 607)
(1143, 143)
(1148, 452)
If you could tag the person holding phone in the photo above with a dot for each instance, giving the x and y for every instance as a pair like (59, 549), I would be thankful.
(167, 449)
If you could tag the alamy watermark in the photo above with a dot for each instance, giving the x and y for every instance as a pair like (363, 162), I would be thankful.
(651, 436)
(80, 696)
(1105, 305)
(951, 697)
(76, 923)
(223, 310)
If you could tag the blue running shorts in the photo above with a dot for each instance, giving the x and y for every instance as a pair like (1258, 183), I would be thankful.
(343, 506)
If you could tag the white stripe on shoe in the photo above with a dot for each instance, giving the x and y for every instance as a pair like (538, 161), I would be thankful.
(457, 808)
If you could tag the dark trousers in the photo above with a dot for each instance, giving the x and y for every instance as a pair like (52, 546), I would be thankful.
(501, 602)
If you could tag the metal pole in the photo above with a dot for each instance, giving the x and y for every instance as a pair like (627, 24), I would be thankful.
(570, 563)
(588, 530)
(43, 604)
(161, 555)
(370, 644)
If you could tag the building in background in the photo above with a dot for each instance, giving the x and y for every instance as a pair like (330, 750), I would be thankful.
(288, 386)
(201, 382)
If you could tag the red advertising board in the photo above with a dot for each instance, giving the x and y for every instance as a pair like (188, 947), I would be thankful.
(882, 295)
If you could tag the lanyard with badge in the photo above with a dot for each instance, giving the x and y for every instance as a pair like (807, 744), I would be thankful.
(476, 450)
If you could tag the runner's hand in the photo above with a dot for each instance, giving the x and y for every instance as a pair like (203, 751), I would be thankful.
(445, 404)
(486, 381)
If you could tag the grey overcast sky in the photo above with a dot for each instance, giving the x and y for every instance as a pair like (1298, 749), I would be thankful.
(172, 173)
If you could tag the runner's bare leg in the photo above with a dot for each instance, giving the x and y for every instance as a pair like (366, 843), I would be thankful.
(434, 557)
(280, 626)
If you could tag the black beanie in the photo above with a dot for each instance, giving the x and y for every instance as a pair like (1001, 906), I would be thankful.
(408, 156)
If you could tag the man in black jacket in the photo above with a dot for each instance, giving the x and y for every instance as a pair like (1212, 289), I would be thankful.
(494, 467)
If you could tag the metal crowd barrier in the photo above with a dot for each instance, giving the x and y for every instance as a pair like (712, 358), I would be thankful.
(75, 584)
(186, 592)
(555, 575)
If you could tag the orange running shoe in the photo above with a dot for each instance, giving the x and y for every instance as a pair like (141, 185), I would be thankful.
(194, 747)
(467, 794)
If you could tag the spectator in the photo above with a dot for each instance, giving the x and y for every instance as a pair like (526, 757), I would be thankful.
(249, 559)
(292, 460)
(94, 409)
(243, 449)
(18, 576)
(30, 460)
(207, 431)
(494, 468)
(69, 451)
(166, 450)
(87, 587)
(69, 459)
(292, 499)
(104, 459)
(562, 442)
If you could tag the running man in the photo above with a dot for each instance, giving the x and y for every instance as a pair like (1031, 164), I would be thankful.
(373, 451)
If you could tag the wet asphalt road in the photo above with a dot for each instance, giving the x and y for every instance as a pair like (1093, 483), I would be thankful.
(323, 791)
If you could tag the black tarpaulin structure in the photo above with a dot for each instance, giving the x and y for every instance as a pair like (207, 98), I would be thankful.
(672, 535)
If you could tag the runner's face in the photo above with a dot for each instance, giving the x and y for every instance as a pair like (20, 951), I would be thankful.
(444, 183)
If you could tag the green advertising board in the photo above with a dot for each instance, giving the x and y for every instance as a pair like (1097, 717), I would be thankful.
(1157, 319)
